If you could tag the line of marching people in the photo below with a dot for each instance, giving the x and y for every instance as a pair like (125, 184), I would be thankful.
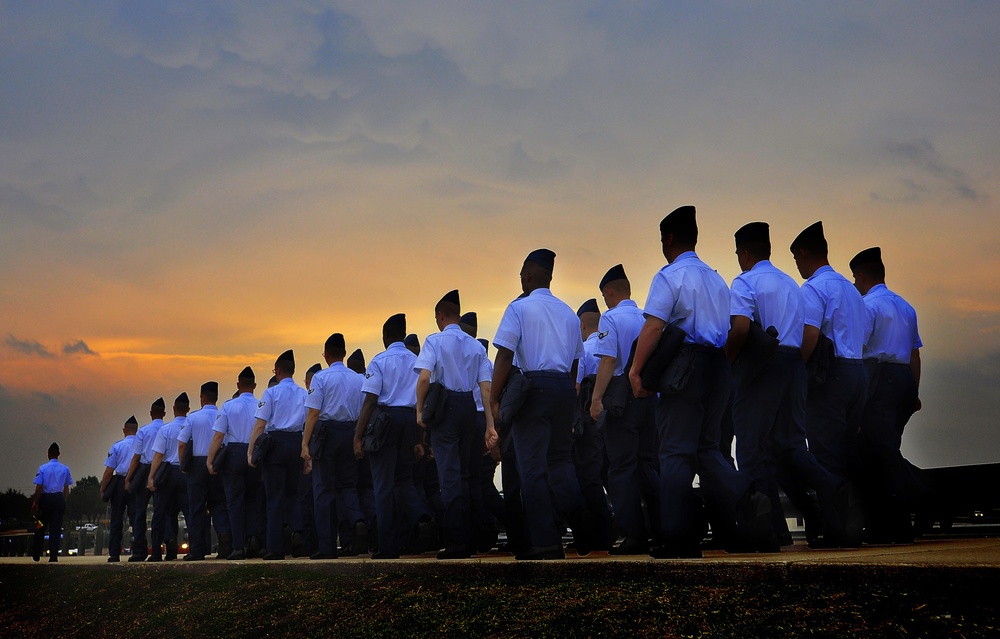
(602, 422)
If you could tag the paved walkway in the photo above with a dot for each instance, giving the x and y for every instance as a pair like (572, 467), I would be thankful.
(948, 553)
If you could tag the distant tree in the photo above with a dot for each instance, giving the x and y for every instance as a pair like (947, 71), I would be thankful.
(15, 510)
(84, 502)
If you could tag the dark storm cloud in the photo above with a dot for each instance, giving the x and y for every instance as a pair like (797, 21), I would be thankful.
(79, 347)
(928, 173)
(27, 346)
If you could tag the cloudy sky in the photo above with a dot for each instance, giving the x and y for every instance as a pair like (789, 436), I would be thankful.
(189, 188)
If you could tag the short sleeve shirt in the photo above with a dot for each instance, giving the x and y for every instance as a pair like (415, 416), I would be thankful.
(390, 377)
(454, 359)
(166, 440)
(336, 393)
(53, 476)
(236, 419)
(542, 331)
(120, 455)
(893, 322)
(690, 295)
(283, 407)
(144, 439)
(834, 305)
(617, 330)
(198, 430)
(769, 297)
(590, 361)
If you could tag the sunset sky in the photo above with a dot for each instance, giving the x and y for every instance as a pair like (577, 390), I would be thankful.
(187, 188)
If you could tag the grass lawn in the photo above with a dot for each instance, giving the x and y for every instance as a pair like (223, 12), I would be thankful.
(499, 600)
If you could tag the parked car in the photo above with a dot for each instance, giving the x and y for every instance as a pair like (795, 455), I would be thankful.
(88, 527)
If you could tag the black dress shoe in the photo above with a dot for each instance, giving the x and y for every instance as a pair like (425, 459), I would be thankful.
(171, 553)
(455, 552)
(540, 553)
(53, 559)
(272, 556)
(323, 555)
(754, 519)
(359, 545)
(114, 560)
(237, 555)
(630, 546)
(253, 548)
(428, 535)
(190, 557)
(847, 501)
(348, 551)
(384, 555)
(135, 558)
(154, 558)
(298, 545)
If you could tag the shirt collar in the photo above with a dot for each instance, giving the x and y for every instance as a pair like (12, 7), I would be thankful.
(627, 303)
(823, 269)
(762, 264)
(540, 291)
(878, 289)
(452, 327)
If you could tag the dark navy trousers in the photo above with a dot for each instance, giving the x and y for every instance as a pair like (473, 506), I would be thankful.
(244, 495)
(142, 497)
(122, 504)
(633, 467)
(282, 470)
(589, 460)
(169, 500)
(335, 487)
(688, 423)
(51, 511)
(542, 433)
(769, 414)
(453, 444)
(834, 411)
(207, 500)
(893, 486)
(398, 508)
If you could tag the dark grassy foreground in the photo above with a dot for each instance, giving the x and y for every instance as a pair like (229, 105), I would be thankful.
(497, 600)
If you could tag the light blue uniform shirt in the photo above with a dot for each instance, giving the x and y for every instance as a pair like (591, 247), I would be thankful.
(618, 328)
(120, 455)
(53, 476)
(542, 331)
(336, 393)
(832, 304)
(590, 361)
(390, 377)
(454, 359)
(283, 407)
(236, 419)
(769, 297)
(166, 440)
(690, 295)
(144, 439)
(198, 430)
(893, 325)
(488, 372)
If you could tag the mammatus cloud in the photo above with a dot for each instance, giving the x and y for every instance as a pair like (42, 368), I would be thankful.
(927, 174)
(27, 347)
(79, 347)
